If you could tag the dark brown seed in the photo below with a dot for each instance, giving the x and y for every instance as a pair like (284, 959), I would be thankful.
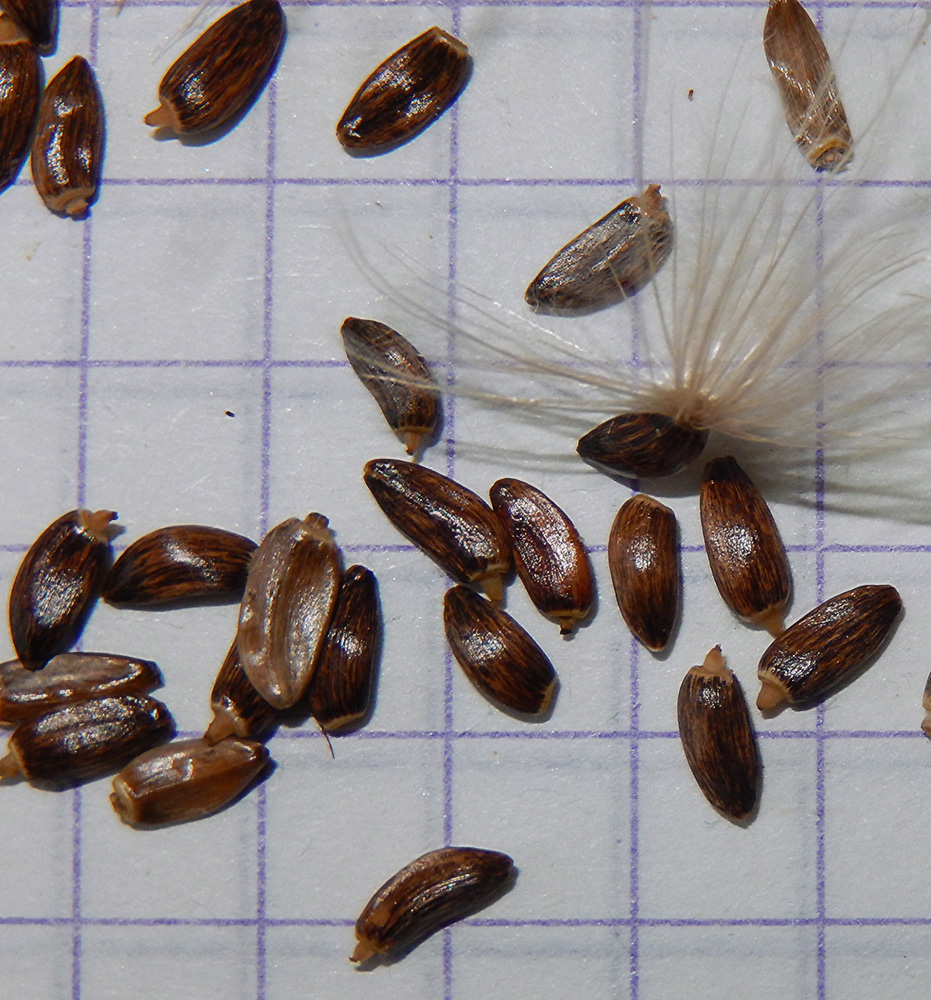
(238, 709)
(38, 20)
(20, 74)
(643, 556)
(343, 685)
(185, 780)
(435, 890)
(548, 554)
(67, 150)
(803, 73)
(223, 71)
(612, 260)
(405, 94)
(748, 560)
(718, 738)
(497, 655)
(828, 646)
(79, 742)
(185, 562)
(639, 445)
(397, 376)
(449, 522)
(57, 583)
(69, 678)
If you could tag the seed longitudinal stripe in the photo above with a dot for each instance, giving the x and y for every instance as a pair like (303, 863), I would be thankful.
(20, 74)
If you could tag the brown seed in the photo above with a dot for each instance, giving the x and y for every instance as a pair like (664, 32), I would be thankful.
(828, 646)
(56, 584)
(287, 606)
(69, 678)
(223, 72)
(717, 737)
(405, 94)
(449, 522)
(497, 655)
(76, 743)
(397, 376)
(185, 780)
(803, 73)
(19, 102)
(611, 261)
(548, 554)
(67, 150)
(38, 20)
(643, 557)
(238, 709)
(748, 560)
(436, 889)
(343, 685)
(181, 563)
(639, 445)
(926, 705)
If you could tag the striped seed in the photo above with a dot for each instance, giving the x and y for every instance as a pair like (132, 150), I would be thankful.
(20, 74)
(36, 19)
(238, 709)
(642, 445)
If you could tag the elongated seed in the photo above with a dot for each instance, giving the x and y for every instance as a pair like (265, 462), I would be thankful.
(436, 889)
(223, 72)
(238, 709)
(394, 372)
(926, 705)
(643, 557)
(497, 655)
(802, 70)
(639, 445)
(38, 20)
(20, 74)
(609, 262)
(747, 557)
(185, 780)
(405, 94)
(717, 737)
(449, 522)
(548, 553)
(184, 562)
(828, 646)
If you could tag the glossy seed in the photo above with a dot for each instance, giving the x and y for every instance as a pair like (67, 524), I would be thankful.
(747, 557)
(802, 70)
(497, 655)
(287, 606)
(828, 646)
(548, 553)
(611, 261)
(717, 737)
(343, 685)
(76, 743)
(20, 74)
(223, 72)
(397, 376)
(69, 678)
(449, 522)
(38, 20)
(642, 445)
(56, 584)
(185, 780)
(436, 889)
(405, 94)
(926, 705)
(181, 563)
(67, 150)
(238, 709)
(643, 557)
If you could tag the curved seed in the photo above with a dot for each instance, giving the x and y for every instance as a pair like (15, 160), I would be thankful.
(639, 445)
(20, 74)
(238, 709)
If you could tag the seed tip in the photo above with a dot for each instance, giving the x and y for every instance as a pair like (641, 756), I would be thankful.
(771, 695)
(161, 117)
(363, 952)
(714, 662)
(493, 586)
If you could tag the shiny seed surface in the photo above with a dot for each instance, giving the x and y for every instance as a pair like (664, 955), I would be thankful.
(20, 74)
(641, 445)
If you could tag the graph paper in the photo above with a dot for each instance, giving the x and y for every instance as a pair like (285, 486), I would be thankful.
(176, 357)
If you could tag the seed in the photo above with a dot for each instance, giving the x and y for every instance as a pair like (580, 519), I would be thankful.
(611, 261)
(926, 705)
(828, 646)
(56, 584)
(746, 554)
(238, 709)
(802, 69)
(69, 678)
(643, 557)
(642, 445)
(181, 563)
(449, 522)
(287, 606)
(343, 685)
(497, 655)
(223, 72)
(436, 889)
(717, 737)
(397, 376)
(19, 101)
(76, 743)
(185, 780)
(548, 554)
(37, 19)
(67, 149)
(405, 94)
